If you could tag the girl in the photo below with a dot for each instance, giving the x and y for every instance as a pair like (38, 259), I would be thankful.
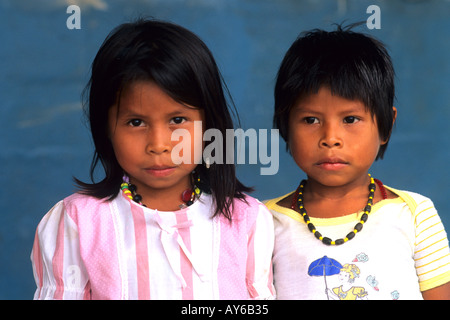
(154, 229)
(333, 106)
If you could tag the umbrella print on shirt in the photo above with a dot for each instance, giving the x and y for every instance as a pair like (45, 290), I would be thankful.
(324, 267)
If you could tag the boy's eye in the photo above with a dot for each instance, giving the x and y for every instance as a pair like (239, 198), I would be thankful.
(177, 120)
(135, 122)
(351, 119)
(311, 120)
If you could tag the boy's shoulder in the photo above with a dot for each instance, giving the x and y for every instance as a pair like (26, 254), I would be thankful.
(274, 203)
(414, 200)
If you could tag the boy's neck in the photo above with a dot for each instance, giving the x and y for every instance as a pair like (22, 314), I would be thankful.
(315, 191)
(323, 201)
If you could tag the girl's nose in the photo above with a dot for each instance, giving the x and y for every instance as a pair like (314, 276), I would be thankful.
(159, 141)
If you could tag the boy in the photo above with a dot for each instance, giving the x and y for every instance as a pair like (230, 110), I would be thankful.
(334, 108)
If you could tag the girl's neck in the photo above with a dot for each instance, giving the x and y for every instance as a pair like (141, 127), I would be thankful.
(162, 199)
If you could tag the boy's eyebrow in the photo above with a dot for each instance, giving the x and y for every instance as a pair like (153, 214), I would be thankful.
(307, 108)
(304, 109)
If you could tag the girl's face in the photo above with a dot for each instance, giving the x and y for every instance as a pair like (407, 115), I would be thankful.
(140, 131)
(332, 139)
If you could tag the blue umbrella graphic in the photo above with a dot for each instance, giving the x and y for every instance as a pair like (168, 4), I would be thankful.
(324, 267)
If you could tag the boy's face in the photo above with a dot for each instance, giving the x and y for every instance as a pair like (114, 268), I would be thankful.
(332, 139)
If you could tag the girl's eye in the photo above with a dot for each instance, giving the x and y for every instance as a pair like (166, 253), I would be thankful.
(311, 120)
(135, 122)
(350, 119)
(177, 120)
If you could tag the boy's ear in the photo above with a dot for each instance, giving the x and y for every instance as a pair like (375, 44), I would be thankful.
(394, 110)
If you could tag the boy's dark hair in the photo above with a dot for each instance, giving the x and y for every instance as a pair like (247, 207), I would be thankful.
(180, 64)
(353, 65)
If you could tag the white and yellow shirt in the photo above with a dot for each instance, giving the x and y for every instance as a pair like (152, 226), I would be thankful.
(402, 250)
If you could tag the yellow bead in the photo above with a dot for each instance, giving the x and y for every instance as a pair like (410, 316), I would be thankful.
(333, 243)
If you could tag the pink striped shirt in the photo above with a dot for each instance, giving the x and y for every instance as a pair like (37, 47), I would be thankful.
(87, 248)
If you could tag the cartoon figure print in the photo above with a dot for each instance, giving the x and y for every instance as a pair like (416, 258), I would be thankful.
(347, 274)
(347, 291)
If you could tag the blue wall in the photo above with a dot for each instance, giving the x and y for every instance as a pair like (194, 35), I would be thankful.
(44, 66)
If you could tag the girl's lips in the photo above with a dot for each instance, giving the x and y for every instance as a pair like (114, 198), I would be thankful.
(160, 171)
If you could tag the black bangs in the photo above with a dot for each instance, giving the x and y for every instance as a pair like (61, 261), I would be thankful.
(352, 65)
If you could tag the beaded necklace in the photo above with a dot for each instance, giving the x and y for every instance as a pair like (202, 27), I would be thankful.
(358, 227)
(187, 196)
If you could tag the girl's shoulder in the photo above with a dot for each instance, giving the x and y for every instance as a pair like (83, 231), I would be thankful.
(249, 209)
(249, 204)
(81, 201)
(82, 206)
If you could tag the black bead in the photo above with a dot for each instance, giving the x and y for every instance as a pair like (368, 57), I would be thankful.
(367, 208)
(317, 234)
(132, 187)
(189, 203)
(137, 198)
(351, 235)
(326, 241)
(359, 226)
(364, 217)
(311, 227)
(339, 242)
(306, 218)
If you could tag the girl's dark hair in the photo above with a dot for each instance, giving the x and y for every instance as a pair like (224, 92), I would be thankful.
(353, 65)
(181, 65)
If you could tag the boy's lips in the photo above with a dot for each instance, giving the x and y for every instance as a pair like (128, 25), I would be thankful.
(331, 163)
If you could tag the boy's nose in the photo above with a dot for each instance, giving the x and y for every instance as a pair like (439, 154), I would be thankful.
(331, 137)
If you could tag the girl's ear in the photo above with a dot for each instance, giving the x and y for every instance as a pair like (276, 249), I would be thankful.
(394, 117)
